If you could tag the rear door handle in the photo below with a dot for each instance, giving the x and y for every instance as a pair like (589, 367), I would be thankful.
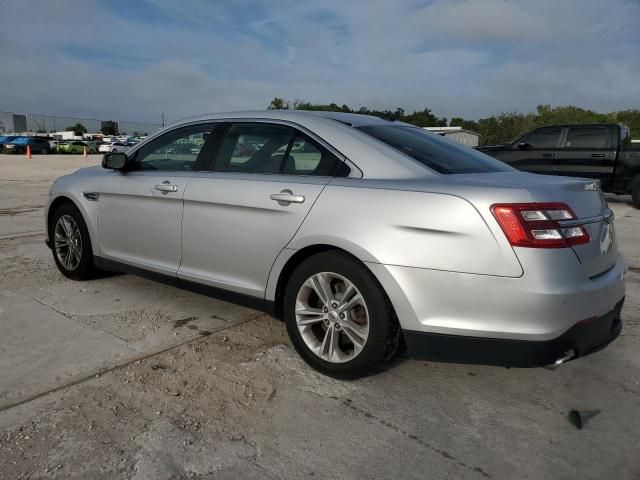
(166, 187)
(597, 155)
(549, 155)
(285, 197)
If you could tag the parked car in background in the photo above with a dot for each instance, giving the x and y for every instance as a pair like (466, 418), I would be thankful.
(370, 233)
(19, 145)
(76, 146)
(6, 139)
(600, 151)
(113, 147)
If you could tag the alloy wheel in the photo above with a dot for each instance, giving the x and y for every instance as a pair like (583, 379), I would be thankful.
(68, 242)
(332, 317)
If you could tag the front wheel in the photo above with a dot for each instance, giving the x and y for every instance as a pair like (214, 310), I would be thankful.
(44, 151)
(338, 316)
(71, 243)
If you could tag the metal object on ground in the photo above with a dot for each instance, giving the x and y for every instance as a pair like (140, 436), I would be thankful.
(579, 418)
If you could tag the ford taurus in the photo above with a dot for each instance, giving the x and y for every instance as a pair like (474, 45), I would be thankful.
(365, 236)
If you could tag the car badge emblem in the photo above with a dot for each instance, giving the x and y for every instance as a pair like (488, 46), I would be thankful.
(592, 186)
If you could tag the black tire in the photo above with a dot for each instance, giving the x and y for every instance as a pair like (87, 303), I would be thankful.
(635, 193)
(44, 151)
(384, 331)
(85, 268)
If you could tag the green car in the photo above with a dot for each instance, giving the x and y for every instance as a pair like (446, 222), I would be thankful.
(75, 147)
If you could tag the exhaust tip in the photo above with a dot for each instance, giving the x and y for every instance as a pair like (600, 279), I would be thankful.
(568, 355)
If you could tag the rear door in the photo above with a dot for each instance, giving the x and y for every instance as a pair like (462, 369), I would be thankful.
(240, 215)
(587, 152)
(536, 151)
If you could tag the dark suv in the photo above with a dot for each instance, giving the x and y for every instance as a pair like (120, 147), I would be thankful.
(601, 151)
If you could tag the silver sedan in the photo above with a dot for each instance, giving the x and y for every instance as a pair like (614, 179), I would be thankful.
(366, 236)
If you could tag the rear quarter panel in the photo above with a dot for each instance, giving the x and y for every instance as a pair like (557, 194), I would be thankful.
(407, 228)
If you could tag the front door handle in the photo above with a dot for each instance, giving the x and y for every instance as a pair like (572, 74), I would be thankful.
(285, 197)
(166, 187)
(597, 155)
(549, 155)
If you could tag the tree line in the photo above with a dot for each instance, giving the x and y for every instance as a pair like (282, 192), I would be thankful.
(502, 128)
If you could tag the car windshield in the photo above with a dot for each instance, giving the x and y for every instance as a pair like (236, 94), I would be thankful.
(434, 151)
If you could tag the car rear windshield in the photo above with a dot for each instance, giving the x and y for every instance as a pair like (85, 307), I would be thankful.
(434, 151)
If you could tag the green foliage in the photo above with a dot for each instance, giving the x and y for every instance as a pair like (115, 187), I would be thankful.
(109, 128)
(503, 128)
(78, 129)
(278, 104)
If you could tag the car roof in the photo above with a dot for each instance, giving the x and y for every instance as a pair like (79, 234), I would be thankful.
(350, 119)
(335, 129)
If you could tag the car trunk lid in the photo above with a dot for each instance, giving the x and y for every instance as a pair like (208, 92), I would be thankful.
(585, 198)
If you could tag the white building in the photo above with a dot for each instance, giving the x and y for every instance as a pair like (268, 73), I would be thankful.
(459, 134)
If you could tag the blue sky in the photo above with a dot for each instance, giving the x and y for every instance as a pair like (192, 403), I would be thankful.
(133, 59)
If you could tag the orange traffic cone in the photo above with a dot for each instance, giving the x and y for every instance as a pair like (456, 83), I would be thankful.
(28, 151)
(84, 152)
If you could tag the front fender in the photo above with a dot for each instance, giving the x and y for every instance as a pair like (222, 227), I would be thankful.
(72, 188)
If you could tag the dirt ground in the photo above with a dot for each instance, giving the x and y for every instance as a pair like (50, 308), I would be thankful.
(121, 378)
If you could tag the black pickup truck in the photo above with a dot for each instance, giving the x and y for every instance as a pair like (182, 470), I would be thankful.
(601, 151)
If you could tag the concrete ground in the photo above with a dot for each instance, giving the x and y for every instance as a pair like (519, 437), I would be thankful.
(122, 378)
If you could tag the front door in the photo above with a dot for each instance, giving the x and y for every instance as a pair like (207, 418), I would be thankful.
(140, 211)
(239, 217)
(536, 152)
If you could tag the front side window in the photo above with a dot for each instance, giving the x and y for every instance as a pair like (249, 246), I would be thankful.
(587, 137)
(543, 138)
(435, 152)
(177, 150)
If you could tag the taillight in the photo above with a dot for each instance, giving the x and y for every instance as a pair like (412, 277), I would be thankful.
(538, 225)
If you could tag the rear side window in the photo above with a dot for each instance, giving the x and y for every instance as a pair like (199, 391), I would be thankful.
(307, 157)
(436, 152)
(254, 148)
(587, 137)
(543, 138)
(274, 149)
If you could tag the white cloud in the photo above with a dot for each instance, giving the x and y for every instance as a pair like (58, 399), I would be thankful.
(458, 57)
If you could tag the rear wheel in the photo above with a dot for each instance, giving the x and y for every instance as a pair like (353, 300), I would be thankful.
(44, 151)
(338, 316)
(71, 243)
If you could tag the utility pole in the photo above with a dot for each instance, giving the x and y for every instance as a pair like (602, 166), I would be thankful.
(162, 119)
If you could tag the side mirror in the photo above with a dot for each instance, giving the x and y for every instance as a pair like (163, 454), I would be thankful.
(115, 161)
(524, 146)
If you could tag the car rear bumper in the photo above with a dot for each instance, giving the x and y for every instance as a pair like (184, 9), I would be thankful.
(551, 297)
(583, 338)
